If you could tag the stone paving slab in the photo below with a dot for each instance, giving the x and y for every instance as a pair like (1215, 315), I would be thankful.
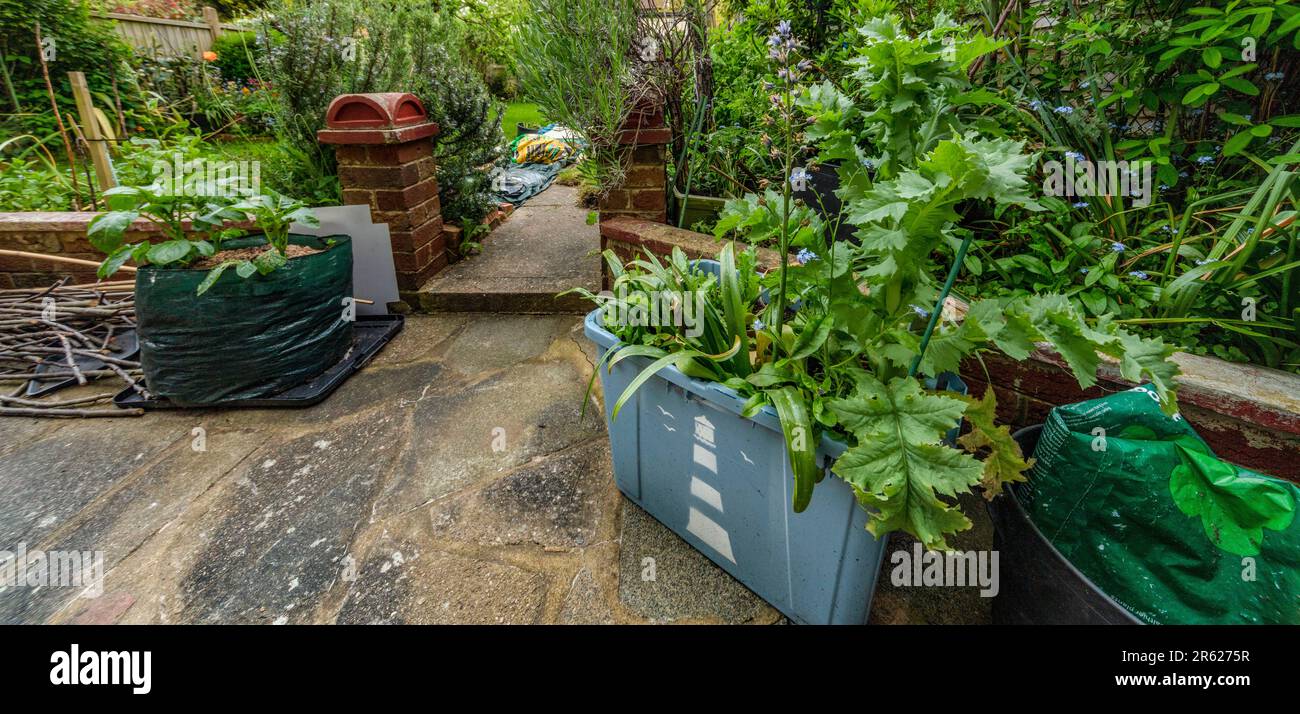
(451, 481)
(545, 248)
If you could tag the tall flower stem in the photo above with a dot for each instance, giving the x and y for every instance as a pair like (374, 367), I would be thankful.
(786, 197)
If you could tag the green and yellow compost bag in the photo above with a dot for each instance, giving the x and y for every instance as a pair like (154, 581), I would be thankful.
(1138, 502)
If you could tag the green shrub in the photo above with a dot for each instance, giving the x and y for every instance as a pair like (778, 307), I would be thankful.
(578, 72)
(236, 55)
(79, 43)
(358, 46)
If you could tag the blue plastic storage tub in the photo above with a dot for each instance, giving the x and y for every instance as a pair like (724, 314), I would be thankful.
(722, 482)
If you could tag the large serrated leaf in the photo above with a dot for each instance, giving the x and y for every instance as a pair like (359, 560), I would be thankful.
(900, 408)
(900, 467)
(1005, 462)
(902, 480)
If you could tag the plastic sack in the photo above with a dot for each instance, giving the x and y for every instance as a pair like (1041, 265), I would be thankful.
(245, 337)
(552, 144)
(1138, 502)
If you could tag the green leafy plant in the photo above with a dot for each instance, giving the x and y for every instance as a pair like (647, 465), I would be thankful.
(168, 211)
(851, 339)
(273, 213)
(193, 228)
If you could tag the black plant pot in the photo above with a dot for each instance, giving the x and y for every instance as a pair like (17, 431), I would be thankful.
(820, 195)
(1037, 585)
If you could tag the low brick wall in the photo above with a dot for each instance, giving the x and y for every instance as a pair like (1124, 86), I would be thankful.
(629, 238)
(62, 234)
(1249, 415)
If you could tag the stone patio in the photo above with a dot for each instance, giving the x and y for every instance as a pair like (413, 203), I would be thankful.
(450, 481)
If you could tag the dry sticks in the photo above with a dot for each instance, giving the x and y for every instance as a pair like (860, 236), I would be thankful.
(52, 327)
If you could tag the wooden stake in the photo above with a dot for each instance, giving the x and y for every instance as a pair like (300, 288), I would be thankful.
(60, 259)
(58, 119)
(93, 132)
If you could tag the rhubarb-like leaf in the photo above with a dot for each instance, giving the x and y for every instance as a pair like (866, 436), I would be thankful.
(1005, 462)
(899, 466)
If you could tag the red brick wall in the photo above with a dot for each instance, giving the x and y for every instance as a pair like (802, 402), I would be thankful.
(399, 183)
(643, 152)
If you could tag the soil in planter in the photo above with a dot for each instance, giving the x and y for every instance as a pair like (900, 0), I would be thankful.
(249, 253)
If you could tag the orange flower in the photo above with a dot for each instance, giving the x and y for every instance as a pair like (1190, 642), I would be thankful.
(210, 56)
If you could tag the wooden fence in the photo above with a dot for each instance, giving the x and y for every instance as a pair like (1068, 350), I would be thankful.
(168, 37)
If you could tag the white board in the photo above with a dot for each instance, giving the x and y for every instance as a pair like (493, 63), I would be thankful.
(373, 275)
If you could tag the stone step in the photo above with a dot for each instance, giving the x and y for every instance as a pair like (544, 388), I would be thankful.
(543, 249)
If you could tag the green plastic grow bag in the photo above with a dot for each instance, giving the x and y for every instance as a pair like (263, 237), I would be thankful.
(245, 337)
(1140, 505)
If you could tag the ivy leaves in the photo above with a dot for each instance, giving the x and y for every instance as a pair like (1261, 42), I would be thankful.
(900, 467)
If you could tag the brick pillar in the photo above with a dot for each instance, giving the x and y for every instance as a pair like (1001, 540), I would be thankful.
(384, 145)
(644, 150)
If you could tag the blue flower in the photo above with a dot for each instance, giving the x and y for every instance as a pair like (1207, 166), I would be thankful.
(1064, 110)
(1083, 271)
(759, 326)
(920, 311)
(1080, 204)
(1202, 262)
(1204, 159)
(1085, 84)
(1271, 76)
(805, 256)
(783, 28)
(1138, 274)
(1118, 247)
(1035, 105)
(1074, 155)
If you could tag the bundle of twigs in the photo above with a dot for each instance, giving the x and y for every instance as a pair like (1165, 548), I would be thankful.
(54, 326)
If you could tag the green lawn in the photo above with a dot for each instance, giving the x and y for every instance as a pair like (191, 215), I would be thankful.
(520, 112)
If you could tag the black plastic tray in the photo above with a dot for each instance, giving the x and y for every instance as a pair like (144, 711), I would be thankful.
(371, 333)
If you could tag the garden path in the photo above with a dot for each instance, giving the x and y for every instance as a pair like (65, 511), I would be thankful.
(543, 249)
